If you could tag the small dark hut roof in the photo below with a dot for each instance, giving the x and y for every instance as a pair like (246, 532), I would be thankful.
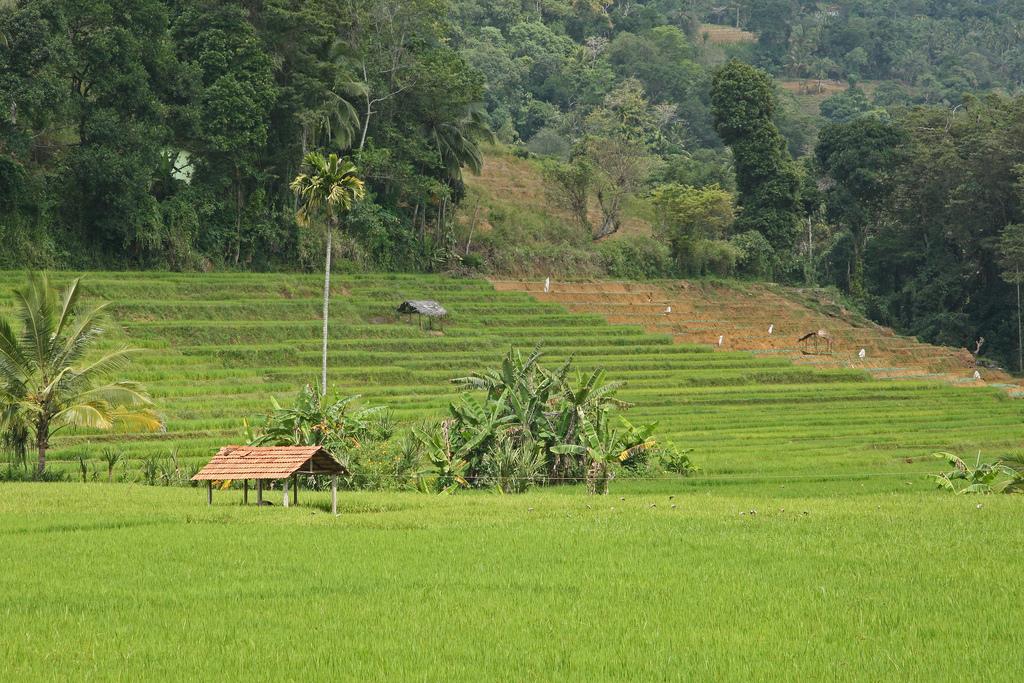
(268, 462)
(430, 309)
(821, 334)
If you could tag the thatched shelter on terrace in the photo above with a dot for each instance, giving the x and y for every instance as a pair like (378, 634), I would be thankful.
(431, 310)
(274, 463)
(816, 343)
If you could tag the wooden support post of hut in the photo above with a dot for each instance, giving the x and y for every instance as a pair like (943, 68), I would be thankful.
(271, 463)
(816, 343)
(431, 310)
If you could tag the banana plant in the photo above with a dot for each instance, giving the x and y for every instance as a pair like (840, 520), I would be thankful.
(477, 426)
(566, 420)
(1014, 463)
(448, 473)
(602, 446)
(313, 420)
(983, 478)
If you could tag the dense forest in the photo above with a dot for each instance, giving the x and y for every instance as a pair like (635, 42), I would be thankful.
(877, 147)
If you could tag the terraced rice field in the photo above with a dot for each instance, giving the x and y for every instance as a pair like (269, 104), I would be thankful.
(768, 320)
(215, 347)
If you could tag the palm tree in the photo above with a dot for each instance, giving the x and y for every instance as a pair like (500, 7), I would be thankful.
(457, 141)
(335, 120)
(45, 382)
(329, 189)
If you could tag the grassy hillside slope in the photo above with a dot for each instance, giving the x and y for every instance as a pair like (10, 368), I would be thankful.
(217, 346)
(769, 320)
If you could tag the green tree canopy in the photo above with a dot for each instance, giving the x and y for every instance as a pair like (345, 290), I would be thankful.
(743, 103)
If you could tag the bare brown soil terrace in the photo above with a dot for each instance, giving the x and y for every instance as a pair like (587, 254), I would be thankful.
(767, 320)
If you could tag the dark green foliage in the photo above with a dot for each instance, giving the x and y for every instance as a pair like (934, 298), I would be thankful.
(361, 438)
(943, 49)
(859, 159)
(677, 460)
(636, 257)
(757, 256)
(845, 106)
(148, 133)
(533, 424)
(743, 104)
(932, 268)
(315, 420)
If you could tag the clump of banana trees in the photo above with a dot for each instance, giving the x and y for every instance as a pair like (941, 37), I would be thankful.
(1005, 475)
(534, 425)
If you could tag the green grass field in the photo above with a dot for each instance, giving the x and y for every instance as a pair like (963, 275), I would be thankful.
(853, 568)
(137, 583)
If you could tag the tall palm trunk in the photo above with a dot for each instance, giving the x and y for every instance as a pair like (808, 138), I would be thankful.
(327, 303)
(42, 443)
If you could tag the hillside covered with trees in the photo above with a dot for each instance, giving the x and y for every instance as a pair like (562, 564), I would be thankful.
(873, 146)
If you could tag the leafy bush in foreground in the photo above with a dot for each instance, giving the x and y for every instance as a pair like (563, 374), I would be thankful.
(1003, 476)
(534, 425)
(360, 438)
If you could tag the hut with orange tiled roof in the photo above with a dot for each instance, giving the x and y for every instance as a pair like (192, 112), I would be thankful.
(273, 463)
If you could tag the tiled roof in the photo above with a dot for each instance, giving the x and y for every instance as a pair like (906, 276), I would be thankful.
(268, 462)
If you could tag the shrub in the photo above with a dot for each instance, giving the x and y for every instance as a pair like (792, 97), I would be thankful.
(472, 262)
(688, 219)
(549, 142)
(532, 419)
(1003, 476)
(448, 467)
(357, 437)
(513, 467)
(676, 460)
(716, 257)
(150, 470)
(636, 257)
(756, 256)
(12, 473)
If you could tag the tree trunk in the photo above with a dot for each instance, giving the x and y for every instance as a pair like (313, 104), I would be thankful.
(1020, 332)
(609, 226)
(472, 226)
(327, 303)
(369, 110)
(238, 214)
(810, 251)
(42, 443)
(857, 279)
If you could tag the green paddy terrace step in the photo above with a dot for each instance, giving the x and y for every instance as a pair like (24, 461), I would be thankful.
(215, 347)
